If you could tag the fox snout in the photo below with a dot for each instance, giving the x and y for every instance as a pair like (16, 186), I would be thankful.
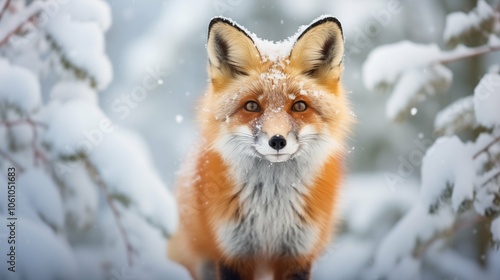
(277, 148)
(276, 138)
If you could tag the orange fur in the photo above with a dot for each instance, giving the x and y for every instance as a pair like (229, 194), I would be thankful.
(207, 189)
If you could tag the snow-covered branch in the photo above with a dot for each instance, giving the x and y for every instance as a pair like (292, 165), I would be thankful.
(457, 227)
(111, 203)
(485, 149)
(480, 22)
(4, 8)
(83, 183)
(23, 121)
(459, 177)
(83, 55)
(15, 25)
(455, 117)
(462, 52)
(412, 77)
(38, 154)
(491, 178)
(12, 161)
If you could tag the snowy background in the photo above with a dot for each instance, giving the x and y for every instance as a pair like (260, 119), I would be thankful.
(97, 102)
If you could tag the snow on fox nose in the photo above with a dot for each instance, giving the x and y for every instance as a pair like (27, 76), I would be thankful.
(276, 122)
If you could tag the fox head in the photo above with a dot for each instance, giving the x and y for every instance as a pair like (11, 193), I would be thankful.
(275, 101)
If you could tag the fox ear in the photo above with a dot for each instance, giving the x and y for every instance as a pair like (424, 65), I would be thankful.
(319, 50)
(231, 51)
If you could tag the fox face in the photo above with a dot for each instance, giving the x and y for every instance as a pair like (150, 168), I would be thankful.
(275, 102)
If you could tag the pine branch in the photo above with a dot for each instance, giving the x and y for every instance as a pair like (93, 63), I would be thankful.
(27, 15)
(458, 226)
(455, 55)
(79, 72)
(116, 214)
(23, 121)
(13, 161)
(4, 8)
(485, 149)
(38, 155)
(493, 177)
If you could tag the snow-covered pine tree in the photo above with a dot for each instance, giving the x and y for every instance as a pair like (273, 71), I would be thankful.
(89, 203)
(460, 184)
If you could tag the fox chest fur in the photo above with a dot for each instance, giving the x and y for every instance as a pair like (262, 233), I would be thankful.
(270, 219)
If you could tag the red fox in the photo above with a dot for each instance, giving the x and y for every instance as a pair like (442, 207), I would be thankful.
(258, 196)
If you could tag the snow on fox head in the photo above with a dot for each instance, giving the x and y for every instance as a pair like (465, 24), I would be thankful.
(275, 101)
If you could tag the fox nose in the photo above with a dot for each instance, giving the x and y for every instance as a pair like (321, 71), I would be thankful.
(277, 142)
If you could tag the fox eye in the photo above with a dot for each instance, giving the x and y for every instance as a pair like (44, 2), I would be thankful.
(252, 106)
(299, 106)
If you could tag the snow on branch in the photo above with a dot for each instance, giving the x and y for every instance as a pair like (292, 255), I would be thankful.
(413, 87)
(487, 197)
(451, 262)
(448, 172)
(16, 23)
(451, 170)
(486, 157)
(487, 146)
(415, 228)
(97, 11)
(68, 151)
(78, 128)
(94, 173)
(14, 162)
(84, 55)
(449, 176)
(19, 88)
(461, 52)
(495, 231)
(487, 101)
(456, 176)
(48, 210)
(38, 154)
(410, 70)
(126, 171)
(464, 112)
(455, 117)
(414, 238)
(4, 8)
(385, 64)
(480, 22)
(413, 71)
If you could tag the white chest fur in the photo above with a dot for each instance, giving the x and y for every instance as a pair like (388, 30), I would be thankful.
(272, 212)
